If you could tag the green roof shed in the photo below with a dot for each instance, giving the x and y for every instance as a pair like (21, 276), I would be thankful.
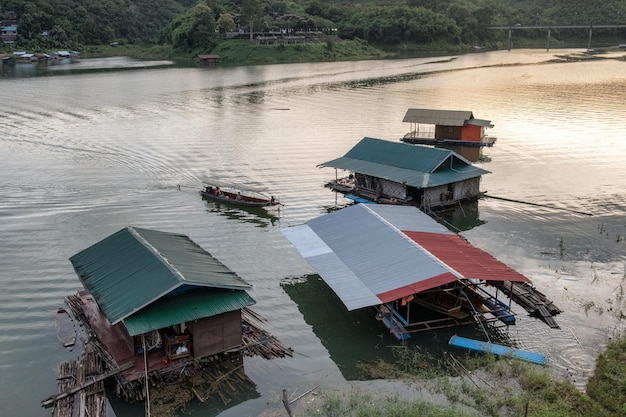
(413, 165)
(144, 278)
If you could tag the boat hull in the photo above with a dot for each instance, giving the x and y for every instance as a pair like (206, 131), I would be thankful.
(232, 199)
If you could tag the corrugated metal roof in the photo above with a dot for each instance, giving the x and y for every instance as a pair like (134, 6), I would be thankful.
(438, 117)
(186, 307)
(480, 122)
(370, 253)
(444, 117)
(414, 165)
(464, 258)
(135, 267)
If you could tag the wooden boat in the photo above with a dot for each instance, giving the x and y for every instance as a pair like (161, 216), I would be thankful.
(66, 331)
(238, 195)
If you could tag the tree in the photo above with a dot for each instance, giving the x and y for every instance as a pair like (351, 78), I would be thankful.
(225, 23)
(192, 30)
(251, 13)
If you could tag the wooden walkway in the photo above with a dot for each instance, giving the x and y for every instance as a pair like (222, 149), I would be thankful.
(80, 388)
(532, 300)
(81, 382)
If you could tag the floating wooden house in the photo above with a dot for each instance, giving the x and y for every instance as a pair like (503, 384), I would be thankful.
(156, 307)
(160, 294)
(208, 60)
(400, 173)
(452, 127)
(399, 260)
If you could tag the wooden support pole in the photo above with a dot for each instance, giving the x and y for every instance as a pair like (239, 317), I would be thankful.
(510, 35)
(286, 403)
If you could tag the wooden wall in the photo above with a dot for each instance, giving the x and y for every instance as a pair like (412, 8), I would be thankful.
(216, 334)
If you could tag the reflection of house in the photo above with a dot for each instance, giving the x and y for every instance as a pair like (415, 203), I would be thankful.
(446, 126)
(398, 259)
(389, 172)
(162, 291)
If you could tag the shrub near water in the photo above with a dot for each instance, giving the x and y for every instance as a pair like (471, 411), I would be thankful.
(491, 386)
(608, 384)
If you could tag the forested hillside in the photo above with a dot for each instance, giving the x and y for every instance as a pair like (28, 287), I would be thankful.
(188, 25)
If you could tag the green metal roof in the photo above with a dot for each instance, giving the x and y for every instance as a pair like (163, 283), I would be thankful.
(414, 165)
(135, 267)
(444, 117)
(187, 306)
(438, 117)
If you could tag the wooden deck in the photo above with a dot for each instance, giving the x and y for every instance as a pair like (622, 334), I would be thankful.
(417, 140)
(109, 341)
(118, 354)
(532, 300)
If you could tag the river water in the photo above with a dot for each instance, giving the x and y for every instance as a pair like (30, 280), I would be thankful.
(86, 150)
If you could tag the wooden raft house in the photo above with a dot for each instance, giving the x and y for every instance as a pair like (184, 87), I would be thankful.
(398, 173)
(401, 262)
(155, 306)
(207, 60)
(448, 127)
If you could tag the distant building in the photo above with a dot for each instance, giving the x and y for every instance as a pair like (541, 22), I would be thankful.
(207, 59)
(454, 127)
(8, 34)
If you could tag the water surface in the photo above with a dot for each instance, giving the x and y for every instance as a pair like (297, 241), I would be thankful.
(86, 154)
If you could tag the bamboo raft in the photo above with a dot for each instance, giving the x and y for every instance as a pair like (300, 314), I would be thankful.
(81, 382)
(532, 300)
(80, 387)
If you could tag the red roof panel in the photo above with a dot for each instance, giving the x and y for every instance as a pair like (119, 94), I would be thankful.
(416, 287)
(460, 255)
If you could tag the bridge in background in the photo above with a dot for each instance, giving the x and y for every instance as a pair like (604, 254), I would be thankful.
(549, 29)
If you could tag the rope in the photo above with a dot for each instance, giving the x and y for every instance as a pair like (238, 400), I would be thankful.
(476, 314)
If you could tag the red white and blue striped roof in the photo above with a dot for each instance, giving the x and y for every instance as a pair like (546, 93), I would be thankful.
(371, 254)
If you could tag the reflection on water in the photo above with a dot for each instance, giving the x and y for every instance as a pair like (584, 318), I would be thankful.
(169, 398)
(350, 337)
(260, 217)
(462, 217)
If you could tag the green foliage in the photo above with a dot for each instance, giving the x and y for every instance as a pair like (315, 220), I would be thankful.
(236, 52)
(225, 23)
(608, 384)
(72, 23)
(194, 30)
(389, 25)
(395, 24)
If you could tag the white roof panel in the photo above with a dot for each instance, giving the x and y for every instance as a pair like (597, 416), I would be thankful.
(361, 255)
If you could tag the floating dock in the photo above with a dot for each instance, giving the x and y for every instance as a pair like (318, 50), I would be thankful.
(488, 141)
(533, 301)
(499, 350)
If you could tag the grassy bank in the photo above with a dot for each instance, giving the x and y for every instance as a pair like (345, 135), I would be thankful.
(139, 51)
(482, 385)
(237, 52)
(243, 52)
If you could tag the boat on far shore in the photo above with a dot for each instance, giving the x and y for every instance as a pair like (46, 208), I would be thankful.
(238, 195)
